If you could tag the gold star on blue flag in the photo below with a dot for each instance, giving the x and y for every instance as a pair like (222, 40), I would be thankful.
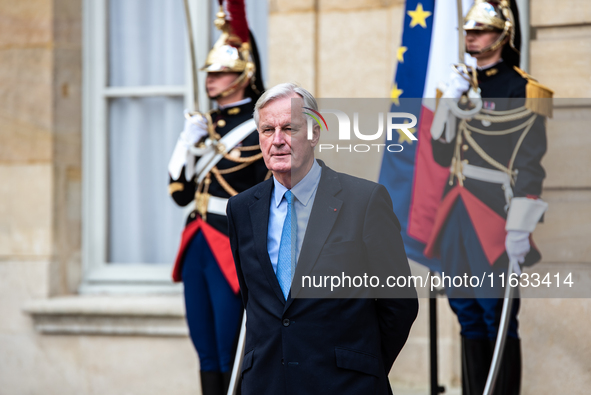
(404, 137)
(395, 94)
(400, 53)
(419, 16)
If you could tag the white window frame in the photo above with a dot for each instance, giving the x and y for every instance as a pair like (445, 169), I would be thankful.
(98, 275)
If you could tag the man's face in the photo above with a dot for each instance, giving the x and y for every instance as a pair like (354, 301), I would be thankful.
(477, 40)
(284, 143)
(216, 83)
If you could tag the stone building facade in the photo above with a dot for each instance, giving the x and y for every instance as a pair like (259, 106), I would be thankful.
(55, 340)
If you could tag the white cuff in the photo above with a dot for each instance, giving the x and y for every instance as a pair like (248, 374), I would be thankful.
(178, 159)
(450, 127)
(524, 214)
(443, 120)
(190, 166)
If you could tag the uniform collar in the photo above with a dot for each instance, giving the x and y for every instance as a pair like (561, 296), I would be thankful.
(235, 104)
(488, 66)
(491, 70)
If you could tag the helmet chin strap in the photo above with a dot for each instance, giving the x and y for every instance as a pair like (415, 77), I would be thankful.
(247, 74)
(494, 46)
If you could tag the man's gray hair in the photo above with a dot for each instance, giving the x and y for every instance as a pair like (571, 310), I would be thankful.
(280, 91)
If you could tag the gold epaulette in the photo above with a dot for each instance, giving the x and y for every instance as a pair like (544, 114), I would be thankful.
(538, 96)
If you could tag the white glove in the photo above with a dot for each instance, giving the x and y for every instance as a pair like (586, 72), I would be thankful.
(458, 85)
(195, 129)
(517, 246)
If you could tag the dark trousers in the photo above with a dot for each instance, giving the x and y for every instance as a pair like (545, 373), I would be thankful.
(214, 312)
(478, 309)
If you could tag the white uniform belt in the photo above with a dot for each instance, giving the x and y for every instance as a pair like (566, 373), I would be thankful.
(484, 174)
(217, 205)
(492, 176)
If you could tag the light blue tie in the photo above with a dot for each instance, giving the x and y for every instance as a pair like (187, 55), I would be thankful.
(286, 258)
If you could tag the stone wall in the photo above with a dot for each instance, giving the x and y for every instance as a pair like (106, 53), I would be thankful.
(40, 231)
(556, 348)
(40, 119)
(26, 177)
(335, 48)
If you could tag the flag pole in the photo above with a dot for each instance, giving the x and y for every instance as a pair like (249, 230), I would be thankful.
(194, 82)
(436, 388)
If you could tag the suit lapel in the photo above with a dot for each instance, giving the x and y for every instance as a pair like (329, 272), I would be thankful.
(259, 215)
(324, 214)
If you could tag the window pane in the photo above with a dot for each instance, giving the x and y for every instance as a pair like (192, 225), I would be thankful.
(144, 222)
(146, 42)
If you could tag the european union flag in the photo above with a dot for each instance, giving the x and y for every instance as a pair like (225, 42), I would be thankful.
(398, 169)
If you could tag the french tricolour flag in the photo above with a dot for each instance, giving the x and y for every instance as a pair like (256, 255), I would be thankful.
(415, 182)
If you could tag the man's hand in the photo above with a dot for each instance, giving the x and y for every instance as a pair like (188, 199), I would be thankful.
(517, 246)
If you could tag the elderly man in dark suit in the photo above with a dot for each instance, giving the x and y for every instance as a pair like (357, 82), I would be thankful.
(309, 219)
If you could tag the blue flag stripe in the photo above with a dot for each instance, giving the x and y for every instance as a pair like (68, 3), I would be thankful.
(397, 171)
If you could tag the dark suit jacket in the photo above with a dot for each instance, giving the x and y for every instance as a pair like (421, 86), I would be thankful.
(321, 346)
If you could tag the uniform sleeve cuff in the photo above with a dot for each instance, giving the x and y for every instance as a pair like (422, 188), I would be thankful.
(524, 214)
(443, 121)
(178, 160)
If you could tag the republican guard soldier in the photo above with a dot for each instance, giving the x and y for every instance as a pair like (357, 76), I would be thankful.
(217, 156)
(489, 129)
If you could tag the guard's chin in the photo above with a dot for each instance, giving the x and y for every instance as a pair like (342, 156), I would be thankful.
(211, 94)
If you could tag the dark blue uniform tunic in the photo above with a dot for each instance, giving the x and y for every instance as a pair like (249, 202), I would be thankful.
(213, 310)
(502, 88)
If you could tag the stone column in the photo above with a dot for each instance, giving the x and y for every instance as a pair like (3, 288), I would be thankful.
(40, 129)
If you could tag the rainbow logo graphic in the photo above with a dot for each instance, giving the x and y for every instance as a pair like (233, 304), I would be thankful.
(316, 117)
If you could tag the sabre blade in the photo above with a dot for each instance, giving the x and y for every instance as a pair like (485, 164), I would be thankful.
(235, 380)
(497, 358)
(193, 58)
(461, 38)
